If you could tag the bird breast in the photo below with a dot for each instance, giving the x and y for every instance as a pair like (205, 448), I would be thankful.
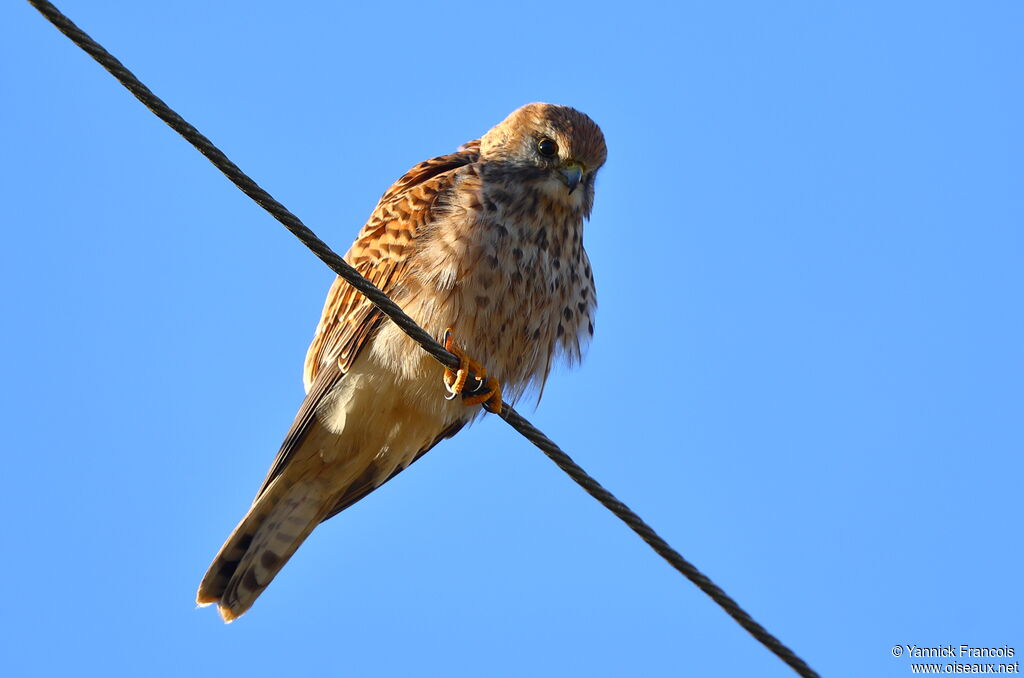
(506, 269)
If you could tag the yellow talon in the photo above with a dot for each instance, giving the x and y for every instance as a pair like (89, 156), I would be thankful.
(488, 393)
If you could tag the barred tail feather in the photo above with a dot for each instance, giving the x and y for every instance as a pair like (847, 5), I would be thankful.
(276, 525)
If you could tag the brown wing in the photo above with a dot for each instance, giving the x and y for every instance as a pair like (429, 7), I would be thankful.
(379, 253)
(369, 481)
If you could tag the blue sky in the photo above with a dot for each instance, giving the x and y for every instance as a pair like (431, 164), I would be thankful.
(806, 376)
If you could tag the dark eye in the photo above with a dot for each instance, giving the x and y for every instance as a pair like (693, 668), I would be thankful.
(547, 148)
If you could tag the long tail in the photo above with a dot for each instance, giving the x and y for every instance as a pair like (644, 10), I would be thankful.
(279, 521)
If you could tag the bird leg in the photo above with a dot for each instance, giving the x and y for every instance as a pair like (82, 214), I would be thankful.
(487, 391)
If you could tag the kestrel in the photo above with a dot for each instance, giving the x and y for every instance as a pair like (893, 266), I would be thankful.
(484, 245)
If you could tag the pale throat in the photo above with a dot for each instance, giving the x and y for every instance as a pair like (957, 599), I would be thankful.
(555, 189)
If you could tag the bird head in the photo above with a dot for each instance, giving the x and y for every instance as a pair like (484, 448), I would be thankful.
(557, 147)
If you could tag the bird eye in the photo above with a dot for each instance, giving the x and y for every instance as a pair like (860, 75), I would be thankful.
(547, 148)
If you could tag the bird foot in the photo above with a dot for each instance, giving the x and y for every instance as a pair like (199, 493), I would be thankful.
(487, 391)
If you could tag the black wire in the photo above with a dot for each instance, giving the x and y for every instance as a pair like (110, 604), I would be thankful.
(418, 334)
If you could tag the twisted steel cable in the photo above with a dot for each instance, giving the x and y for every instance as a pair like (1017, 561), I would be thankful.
(418, 334)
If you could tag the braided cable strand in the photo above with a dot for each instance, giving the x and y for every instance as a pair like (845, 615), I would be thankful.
(660, 546)
(409, 326)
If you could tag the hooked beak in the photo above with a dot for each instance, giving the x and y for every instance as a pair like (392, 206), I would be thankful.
(572, 174)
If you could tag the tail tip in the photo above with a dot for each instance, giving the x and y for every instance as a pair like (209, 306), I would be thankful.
(228, 614)
(208, 593)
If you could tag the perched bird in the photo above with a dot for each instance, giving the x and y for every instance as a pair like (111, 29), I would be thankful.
(484, 247)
